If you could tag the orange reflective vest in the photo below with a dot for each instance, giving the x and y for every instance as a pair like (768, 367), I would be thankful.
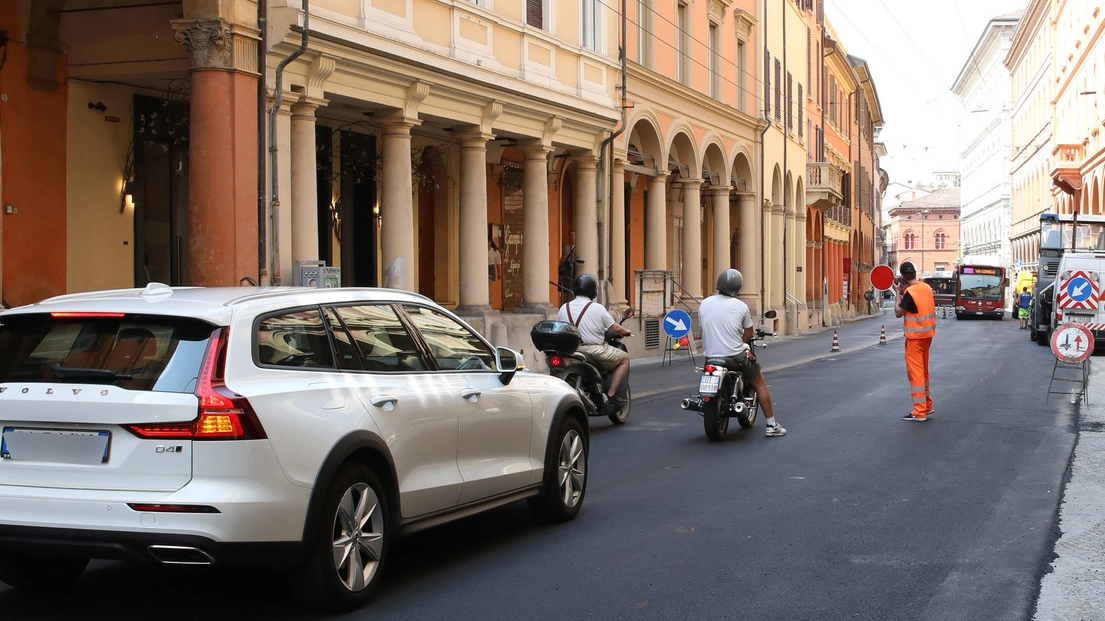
(922, 324)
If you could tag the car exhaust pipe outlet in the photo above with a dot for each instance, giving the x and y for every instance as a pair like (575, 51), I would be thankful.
(180, 555)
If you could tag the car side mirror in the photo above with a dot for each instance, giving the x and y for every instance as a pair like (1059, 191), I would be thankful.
(507, 364)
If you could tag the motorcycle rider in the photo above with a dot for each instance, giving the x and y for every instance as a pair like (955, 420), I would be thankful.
(592, 320)
(727, 330)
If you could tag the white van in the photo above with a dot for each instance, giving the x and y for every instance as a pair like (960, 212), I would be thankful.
(1078, 292)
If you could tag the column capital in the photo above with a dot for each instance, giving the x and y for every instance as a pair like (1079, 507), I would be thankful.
(217, 44)
(397, 123)
(723, 190)
(691, 183)
(474, 138)
(585, 161)
(662, 176)
(305, 106)
(535, 149)
(287, 100)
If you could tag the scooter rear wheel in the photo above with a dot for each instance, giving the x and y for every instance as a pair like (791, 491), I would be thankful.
(622, 415)
(715, 412)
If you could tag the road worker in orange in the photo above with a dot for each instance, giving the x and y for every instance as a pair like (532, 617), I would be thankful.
(915, 302)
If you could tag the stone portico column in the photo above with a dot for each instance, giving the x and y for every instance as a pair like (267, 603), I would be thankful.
(474, 287)
(222, 160)
(536, 270)
(397, 238)
(586, 213)
(280, 211)
(722, 231)
(692, 237)
(617, 229)
(656, 218)
(800, 260)
(747, 252)
(793, 252)
(304, 176)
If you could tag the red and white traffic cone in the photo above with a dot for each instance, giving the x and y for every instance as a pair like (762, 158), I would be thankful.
(836, 343)
(882, 335)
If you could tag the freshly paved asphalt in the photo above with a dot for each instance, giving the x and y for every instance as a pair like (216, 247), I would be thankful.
(992, 510)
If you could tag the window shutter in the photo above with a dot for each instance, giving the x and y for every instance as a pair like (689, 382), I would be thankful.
(767, 83)
(535, 13)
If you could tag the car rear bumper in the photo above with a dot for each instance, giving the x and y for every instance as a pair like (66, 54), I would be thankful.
(172, 548)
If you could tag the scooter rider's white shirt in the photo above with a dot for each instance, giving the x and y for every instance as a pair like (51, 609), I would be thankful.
(723, 319)
(593, 325)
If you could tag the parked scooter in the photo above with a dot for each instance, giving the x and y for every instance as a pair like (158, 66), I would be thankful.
(723, 393)
(559, 340)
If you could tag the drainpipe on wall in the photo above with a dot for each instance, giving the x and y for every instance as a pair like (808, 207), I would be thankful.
(609, 142)
(277, 97)
(786, 171)
(763, 148)
(262, 95)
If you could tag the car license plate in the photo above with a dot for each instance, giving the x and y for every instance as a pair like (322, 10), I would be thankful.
(1078, 318)
(709, 384)
(67, 446)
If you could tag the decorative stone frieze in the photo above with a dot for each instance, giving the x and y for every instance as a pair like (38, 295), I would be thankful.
(717, 11)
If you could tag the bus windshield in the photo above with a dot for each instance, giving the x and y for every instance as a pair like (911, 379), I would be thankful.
(980, 286)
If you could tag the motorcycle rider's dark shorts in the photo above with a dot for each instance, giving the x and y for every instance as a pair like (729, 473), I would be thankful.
(748, 366)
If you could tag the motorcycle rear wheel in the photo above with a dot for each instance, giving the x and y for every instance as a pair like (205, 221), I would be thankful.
(622, 415)
(747, 417)
(715, 412)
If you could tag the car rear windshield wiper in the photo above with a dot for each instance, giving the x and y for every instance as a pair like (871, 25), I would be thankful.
(81, 374)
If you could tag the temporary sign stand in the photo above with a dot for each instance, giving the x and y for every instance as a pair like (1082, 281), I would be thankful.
(677, 327)
(1072, 344)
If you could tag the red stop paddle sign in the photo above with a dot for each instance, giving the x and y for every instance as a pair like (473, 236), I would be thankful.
(882, 277)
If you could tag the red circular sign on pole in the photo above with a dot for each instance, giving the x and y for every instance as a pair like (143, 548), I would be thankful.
(882, 277)
(1072, 343)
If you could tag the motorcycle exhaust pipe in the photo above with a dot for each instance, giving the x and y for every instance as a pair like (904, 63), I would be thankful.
(691, 404)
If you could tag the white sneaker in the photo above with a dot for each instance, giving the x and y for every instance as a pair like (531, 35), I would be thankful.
(776, 431)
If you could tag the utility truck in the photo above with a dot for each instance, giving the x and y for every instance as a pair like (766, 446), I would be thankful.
(1062, 235)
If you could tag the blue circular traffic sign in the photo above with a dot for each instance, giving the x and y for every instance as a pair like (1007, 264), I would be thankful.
(1079, 289)
(677, 323)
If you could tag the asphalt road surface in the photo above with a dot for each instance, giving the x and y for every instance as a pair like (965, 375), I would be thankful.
(855, 514)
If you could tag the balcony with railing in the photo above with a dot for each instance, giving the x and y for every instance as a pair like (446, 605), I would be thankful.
(1066, 170)
(824, 190)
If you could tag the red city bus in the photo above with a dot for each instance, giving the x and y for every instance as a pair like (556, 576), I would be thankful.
(980, 291)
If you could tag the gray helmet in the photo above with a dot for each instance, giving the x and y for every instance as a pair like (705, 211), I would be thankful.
(587, 285)
(729, 282)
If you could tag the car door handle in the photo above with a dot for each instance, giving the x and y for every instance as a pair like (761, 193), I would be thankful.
(471, 394)
(385, 402)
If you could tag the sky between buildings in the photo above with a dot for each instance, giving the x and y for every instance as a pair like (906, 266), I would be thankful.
(916, 51)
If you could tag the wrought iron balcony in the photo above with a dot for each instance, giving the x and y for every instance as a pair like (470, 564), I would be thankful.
(823, 190)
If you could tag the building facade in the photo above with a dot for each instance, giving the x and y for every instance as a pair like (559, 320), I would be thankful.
(1029, 63)
(925, 231)
(983, 87)
(207, 144)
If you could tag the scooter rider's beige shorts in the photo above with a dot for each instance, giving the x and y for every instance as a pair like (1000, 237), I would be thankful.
(605, 356)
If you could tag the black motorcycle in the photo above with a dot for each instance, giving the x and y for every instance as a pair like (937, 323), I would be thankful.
(559, 340)
(723, 393)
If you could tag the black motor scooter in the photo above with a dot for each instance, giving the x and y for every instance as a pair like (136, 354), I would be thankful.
(559, 340)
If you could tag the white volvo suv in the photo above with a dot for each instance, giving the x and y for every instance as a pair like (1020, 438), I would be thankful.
(284, 427)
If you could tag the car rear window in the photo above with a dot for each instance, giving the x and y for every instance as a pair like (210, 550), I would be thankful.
(136, 352)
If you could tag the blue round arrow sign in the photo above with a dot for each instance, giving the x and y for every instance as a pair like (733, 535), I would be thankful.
(677, 323)
(1079, 289)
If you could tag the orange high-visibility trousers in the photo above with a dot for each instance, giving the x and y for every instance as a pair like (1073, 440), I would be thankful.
(917, 369)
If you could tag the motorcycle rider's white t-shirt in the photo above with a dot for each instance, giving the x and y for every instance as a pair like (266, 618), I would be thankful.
(592, 326)
(723, 319)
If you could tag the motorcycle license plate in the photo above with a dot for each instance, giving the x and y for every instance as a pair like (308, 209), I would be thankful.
(709, 384)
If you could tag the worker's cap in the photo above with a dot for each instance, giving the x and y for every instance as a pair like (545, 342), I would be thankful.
(908, 270)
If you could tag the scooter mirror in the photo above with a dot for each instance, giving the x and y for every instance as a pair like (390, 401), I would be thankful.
(627, 314)
(770, 313)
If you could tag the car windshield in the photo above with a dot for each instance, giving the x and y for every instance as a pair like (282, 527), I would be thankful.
(130, 351)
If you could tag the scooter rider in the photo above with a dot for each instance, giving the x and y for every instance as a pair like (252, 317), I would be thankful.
(593, 320)
(727, 328)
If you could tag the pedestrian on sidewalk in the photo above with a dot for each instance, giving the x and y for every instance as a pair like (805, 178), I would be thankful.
(915, 302)
(1023, 300)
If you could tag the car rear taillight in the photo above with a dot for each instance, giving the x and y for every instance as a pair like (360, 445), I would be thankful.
(555, 361)
(223, 415)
